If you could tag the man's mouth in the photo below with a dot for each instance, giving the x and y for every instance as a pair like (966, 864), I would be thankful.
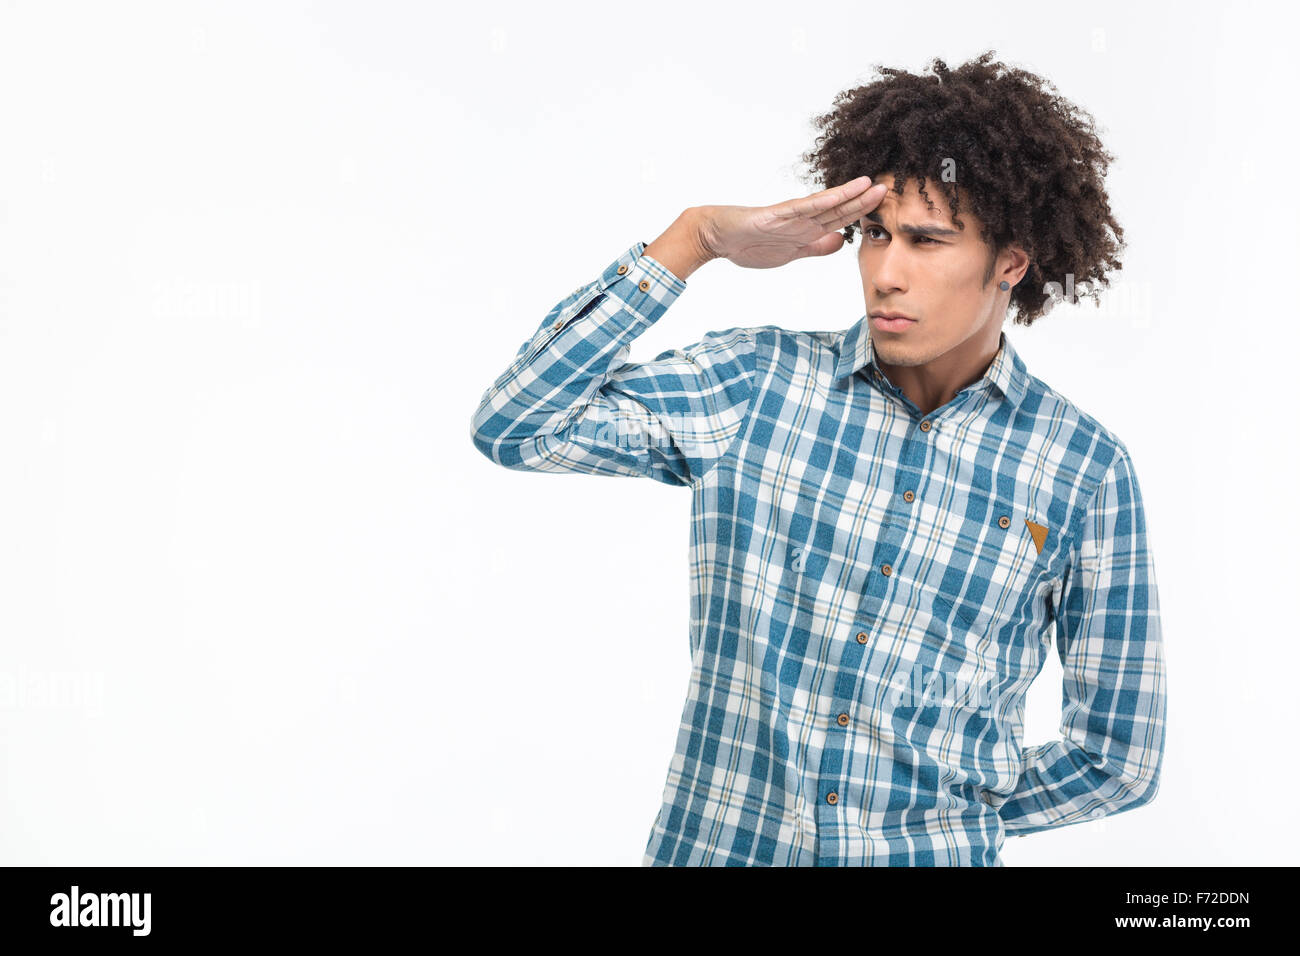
(891, 321)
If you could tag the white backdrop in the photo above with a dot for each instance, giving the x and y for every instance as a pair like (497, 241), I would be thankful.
(262, 601)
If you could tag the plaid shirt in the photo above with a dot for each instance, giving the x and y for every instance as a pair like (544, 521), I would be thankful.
(872, 589)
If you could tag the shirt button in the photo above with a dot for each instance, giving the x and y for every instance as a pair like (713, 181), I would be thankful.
(925, 425)
(908, 496)
(886, 570)
(558, 324)
(622, 270)
(1099, 812)
(645, 284)
(832, 797)
(843, 719)
(1004, 522)
(862, 637)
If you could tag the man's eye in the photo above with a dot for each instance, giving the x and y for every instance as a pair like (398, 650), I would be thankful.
(871, 229)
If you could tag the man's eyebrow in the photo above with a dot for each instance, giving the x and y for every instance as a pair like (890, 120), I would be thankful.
(909, 229)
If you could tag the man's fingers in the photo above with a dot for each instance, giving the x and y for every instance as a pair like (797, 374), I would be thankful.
(847, 212)
(810, 206)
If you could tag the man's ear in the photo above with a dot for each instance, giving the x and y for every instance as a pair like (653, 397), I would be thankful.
(1019, 263)
(1009, 264)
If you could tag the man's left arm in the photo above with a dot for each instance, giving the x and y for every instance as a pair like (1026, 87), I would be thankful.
(1113, 695)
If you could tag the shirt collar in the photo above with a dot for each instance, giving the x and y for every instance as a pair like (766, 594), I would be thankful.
(1007, 371)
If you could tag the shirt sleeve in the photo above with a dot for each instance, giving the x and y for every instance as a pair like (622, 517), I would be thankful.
(1109, 640)
(571, 402)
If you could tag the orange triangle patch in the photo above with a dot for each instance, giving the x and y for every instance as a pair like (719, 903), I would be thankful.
(1039, 533)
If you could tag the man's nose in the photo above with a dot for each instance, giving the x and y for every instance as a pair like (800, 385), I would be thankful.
(887, 271)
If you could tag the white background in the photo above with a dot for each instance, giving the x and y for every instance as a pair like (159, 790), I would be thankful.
(262, 601)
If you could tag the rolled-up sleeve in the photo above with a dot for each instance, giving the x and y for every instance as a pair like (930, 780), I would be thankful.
(1109, 640)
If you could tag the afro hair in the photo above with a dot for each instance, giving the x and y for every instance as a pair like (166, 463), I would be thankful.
(1029, 161)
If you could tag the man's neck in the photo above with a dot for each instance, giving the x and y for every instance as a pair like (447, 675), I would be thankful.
(936, 383)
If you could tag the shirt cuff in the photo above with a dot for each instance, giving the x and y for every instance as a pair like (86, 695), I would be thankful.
(641, 283)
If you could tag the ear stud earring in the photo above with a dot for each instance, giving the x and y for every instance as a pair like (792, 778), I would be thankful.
(1003, 285)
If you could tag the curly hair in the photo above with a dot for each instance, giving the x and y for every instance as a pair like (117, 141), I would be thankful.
(1029, 161)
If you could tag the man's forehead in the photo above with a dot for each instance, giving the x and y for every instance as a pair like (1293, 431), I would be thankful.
(914, 203)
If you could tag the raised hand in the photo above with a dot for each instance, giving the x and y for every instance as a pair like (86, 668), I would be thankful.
(763, 237)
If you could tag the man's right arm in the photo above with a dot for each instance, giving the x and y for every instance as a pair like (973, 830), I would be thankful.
(570, 401)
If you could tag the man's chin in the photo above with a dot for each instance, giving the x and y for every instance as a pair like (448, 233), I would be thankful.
(895, 353)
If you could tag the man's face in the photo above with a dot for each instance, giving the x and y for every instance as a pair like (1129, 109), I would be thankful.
(937, 278)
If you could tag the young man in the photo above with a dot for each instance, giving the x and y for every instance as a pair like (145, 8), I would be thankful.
(889, 522)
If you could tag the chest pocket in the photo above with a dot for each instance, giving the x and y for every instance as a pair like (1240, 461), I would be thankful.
(993, 549)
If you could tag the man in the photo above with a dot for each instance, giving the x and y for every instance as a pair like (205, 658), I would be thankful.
(891, 521)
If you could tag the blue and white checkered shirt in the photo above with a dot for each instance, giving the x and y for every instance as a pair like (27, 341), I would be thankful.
(872, 588)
